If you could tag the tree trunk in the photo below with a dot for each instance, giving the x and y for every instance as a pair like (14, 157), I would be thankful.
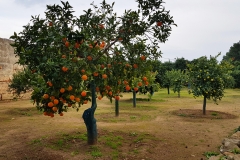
(204, 105)
(88, 116)
(178, 94)
(168, 89)
(134, 98)
(116, 108)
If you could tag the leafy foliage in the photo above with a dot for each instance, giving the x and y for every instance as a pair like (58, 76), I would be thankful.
(68, 52)
(208, 78)
(177, 79)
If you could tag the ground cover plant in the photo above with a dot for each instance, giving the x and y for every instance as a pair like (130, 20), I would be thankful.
(156, 129)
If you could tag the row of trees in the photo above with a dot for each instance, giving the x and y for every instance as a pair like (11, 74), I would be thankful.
(167, 69)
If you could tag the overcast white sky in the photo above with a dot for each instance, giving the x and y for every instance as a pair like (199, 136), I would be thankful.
(205, 27)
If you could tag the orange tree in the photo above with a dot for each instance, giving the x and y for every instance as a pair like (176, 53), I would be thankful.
(208, 78)
(78, 57)
(177, 79)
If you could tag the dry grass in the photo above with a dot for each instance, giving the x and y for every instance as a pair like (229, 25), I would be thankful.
(149, 131)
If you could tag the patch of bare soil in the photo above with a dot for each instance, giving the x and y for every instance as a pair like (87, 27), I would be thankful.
(197, 113)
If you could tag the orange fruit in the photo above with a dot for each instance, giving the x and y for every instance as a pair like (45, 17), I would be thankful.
(139, 84)
(83, 70)
(69, 104)
(102, 66)
(55, 101)
(125, 82)
(97, 89)
(102, 45)
(101, 26)
(64, 56)
(135, 66)
(144, 78)
(128, 87)
(84, 77)
(67, 44)
(77, 45)
(49, 83)
(120, 38)
(45, 96)
(95, 74)
(159, 23)
(77, 99)
(64, 39)
(143, 58)
(127, 65)
(45, 113)
(50, 104)
(99, 97)
(50, 24)
(62, 90)
(117, 98)
(110, 93)
(104, 76)
(52, 115)
(64, 69)
(135, 89)
(146, 83)
(83, 93)
(52, 98)
(69, 88)
(108, 88)
(61, 114)
(109, 65)
(89, 58)
(72, 97)
(54, 109)
(85, 102)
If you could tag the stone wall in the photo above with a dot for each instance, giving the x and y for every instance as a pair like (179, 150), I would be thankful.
(8, 67)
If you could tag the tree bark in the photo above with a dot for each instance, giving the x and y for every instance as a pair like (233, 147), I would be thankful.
(168, 89)
(89, 120)
(116, 108)
(134, 99)
(204, 105)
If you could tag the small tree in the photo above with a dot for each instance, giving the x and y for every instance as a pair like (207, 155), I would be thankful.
(207, 78)
(177, 79)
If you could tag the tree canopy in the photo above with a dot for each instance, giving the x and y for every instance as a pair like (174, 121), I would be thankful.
(96, 49)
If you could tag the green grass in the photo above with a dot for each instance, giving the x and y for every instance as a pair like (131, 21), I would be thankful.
(95, 152)
(214, 114)
(210, 154)
(236, 151)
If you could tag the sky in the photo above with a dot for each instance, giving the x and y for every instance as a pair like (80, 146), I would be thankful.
(205, 27)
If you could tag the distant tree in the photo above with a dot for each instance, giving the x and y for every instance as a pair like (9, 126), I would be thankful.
(208, 78)
(176, 79)
(233, 53)
(236, 74)
(157, 66)
(181, 64)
